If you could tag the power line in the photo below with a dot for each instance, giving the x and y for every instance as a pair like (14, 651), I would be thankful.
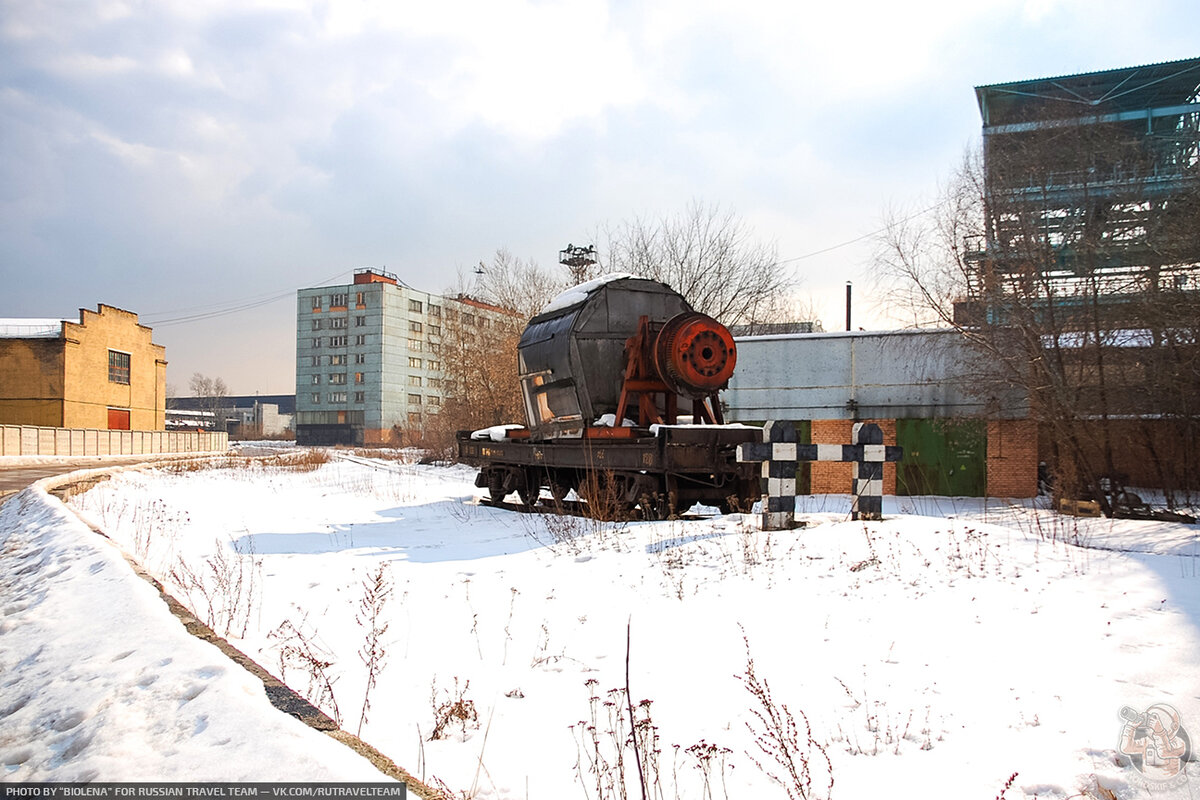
(857, 239)
(222, 309)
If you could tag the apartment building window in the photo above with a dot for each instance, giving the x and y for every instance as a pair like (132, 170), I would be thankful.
(337, 360)
(435, 311)
(468, 319)
(435, 330)
(414, 305)
(414, 418)
(360, 358)
(337, 377)
(316, 342)
(316, 302)
(338, 300)
(360, 397)
(360, 339)
(314, 361)
(337, 322)
(435, 347)
(414, 399)
(433, 400)
(337, 397)
(360, 322)
(414, 326)
(433, 366)
(414, 380)
(358, 377)
(337, 341)
(316, 379)
(414, 362)
(414, 345)
(316, 398)
(360, 300)
(118, 367)
(316, 324)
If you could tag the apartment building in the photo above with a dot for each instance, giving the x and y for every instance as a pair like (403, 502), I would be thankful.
(369, 358)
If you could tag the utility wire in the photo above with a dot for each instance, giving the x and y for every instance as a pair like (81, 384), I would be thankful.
(222, 309)
(857, 239)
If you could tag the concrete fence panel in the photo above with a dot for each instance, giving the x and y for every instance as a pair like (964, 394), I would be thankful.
(28, 440)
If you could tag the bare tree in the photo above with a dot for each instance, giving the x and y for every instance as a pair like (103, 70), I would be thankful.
(1059, 256)
(707, 254)
(211, 393)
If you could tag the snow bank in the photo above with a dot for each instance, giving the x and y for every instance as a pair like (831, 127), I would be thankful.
(102, 683)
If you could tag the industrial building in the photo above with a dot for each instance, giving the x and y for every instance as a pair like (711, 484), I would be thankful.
(920, 387)
(1090, 215)
(369, 367)
(102, 372)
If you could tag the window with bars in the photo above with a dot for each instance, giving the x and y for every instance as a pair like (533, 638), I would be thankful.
(118, 367)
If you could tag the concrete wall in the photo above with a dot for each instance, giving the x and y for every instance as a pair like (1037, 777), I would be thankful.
(929, 374)
(26, 440)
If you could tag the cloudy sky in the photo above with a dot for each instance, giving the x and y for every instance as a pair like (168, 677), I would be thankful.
(180, 158)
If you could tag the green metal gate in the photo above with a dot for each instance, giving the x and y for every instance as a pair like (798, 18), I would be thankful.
(942, 457)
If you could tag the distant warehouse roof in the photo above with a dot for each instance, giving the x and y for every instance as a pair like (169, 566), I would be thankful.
(31, 328)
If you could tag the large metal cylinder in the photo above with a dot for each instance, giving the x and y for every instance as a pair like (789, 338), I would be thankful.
(572, 355)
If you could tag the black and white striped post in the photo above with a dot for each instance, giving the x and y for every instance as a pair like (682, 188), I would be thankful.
(779, 454)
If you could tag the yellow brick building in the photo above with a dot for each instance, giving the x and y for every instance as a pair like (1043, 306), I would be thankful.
(101, 372)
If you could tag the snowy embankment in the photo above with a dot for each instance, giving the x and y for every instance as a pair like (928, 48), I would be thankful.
(100, 682)
(934, 654)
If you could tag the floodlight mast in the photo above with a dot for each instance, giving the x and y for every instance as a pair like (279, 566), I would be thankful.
(578, 260)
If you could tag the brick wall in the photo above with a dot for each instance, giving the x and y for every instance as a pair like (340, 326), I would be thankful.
(830, 477)
(1012, 458)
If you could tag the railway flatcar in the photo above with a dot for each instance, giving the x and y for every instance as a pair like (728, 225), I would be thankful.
(620, 380)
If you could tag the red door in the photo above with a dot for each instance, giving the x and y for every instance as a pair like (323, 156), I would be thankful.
(118, 419)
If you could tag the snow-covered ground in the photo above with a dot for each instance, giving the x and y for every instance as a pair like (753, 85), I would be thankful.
(933, 654)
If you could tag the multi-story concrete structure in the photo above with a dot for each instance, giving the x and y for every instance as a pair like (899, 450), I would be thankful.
(369, 358)
(103, 371)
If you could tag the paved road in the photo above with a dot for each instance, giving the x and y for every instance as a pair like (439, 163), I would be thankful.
(15, 478)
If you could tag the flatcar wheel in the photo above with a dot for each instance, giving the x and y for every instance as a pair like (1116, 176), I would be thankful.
(559, 491)
(495, 487)
(654, 507)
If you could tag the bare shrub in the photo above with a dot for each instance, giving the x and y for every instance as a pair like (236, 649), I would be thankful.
(299, 651)
(452, 708)
(377, 590)
(224, 588)
(798, 757)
